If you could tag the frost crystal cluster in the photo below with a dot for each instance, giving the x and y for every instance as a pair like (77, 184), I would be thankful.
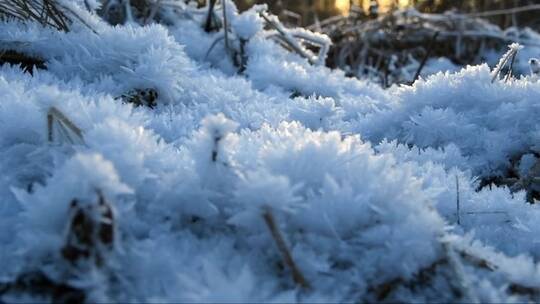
(155, 161)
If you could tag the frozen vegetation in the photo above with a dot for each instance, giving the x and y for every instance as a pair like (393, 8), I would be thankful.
(158, 162)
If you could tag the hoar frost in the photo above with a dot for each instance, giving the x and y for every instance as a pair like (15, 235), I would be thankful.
(286, 182)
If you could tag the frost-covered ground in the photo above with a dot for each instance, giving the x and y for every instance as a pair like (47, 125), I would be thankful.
(375, 193)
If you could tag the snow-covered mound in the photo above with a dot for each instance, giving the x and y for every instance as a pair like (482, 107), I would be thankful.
(286, 183)
(489, 122)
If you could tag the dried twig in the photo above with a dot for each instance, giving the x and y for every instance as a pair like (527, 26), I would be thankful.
(459, 278)
(485, 212)
(298, 277)
(426, 57)
(209, 17)
(291, 40)
(458, 207)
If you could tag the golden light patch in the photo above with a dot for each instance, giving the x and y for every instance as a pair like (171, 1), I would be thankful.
(343, 6)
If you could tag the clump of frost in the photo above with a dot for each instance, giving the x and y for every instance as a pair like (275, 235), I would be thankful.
(249, 23)
(488, 122)
(190, 179)
(45, 211)
(212, 161)
(259, 191)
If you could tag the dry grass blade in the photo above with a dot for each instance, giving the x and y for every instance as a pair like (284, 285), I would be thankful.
(76, 16)
(212, 46)
(509, 56)
(458, 203)
(449, 267)
(65, 127)
(509, 74)
(298, 277)
(45, 12)
(459, 278)
(426, 57)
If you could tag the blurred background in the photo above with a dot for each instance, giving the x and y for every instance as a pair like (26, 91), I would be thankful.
(397, 41)
(310, 10)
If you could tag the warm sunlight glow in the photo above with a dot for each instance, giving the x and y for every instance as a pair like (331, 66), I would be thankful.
(343, 6)
(403, 3)
(385, 5)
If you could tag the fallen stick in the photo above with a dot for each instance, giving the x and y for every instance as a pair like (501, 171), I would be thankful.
(282, 246)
